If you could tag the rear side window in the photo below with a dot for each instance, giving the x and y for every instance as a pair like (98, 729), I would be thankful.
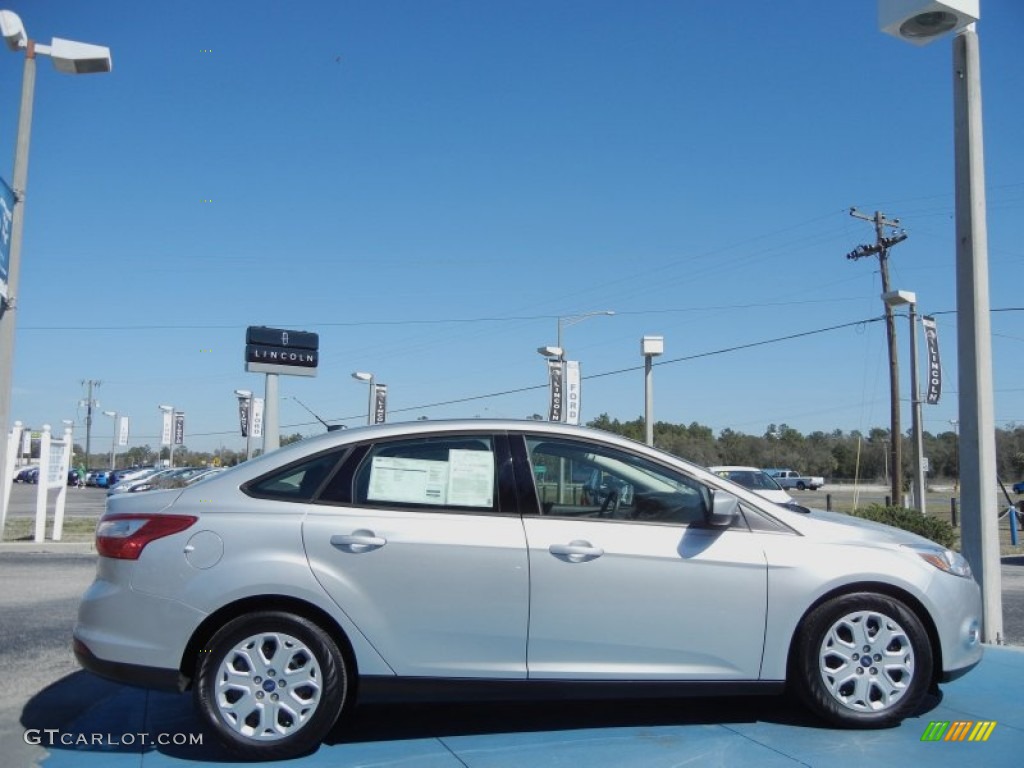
(296, 482)
(451, 472)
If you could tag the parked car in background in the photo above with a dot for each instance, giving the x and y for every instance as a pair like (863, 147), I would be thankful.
(431, 558)
(788, 478)
(206, 474)
(1018, 487)
(131, 476)
(27, 475)
(756, 480)
(167, 478)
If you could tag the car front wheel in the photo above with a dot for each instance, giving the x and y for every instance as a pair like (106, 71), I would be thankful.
(863, 660)
(271, 684)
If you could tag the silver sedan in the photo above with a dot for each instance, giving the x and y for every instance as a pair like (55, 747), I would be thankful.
(496, 558)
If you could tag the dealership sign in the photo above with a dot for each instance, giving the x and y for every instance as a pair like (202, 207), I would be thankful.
(274, 350)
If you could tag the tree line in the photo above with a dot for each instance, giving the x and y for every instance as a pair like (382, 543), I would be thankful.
(835, 455)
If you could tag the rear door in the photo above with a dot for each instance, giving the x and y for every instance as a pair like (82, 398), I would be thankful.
(626, 580)
(420, 543)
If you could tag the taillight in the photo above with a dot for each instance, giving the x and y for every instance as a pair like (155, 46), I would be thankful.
(124, 536)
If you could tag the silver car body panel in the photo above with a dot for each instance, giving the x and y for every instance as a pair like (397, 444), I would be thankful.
(484, 596)
(643, 608)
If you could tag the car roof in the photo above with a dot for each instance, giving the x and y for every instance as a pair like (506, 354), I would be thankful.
(735, 468)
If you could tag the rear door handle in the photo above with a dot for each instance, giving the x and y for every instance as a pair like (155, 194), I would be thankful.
(358, 541)
(576, 551)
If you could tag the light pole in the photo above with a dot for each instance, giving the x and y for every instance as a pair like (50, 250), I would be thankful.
(245, 394)
(113, 439)
(895, 299)
(70, 57)
(167, 434)
(556, 363)
(368, 378)
(650, 347)
(928, 21)
(565, 322)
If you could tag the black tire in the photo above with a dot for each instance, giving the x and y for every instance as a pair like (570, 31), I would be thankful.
(801, 487)
(880, 688)
(245, 715)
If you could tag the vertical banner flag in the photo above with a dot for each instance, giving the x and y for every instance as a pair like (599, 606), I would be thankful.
(179, 428)
(243, 414)
(380, 403)
(6, 219)
(931, 336)
(165, 438)
(555, 411)
(257, 417)
(572, 392)
(122, 431)
(26, 443)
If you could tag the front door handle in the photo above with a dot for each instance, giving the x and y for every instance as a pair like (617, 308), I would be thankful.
(358, 541)
(577, 551)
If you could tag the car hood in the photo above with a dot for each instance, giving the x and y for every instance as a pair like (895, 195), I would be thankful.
(779, 497)
(836, 526)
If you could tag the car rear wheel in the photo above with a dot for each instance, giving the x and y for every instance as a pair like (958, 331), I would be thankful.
(863, 660)
(271, 684)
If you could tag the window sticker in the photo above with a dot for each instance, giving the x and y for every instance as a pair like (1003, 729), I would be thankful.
(418, 481)
(470, 478)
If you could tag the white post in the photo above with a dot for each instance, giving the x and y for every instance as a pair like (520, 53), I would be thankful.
(62, 494)
(42, 484)
(974, 340)
(271, 430)
(7, 472)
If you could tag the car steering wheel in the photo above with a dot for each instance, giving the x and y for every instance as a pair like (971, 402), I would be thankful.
(612, 501)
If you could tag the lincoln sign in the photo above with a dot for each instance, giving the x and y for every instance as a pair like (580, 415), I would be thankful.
(273, 350)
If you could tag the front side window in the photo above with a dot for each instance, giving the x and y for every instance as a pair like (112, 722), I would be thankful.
(449, 472)
(578, 479)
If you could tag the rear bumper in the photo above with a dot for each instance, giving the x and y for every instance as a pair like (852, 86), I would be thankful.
(158, 678)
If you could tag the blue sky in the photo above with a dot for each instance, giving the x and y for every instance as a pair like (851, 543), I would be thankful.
(430, 184)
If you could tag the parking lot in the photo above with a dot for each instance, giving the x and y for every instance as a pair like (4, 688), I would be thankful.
(54, 714)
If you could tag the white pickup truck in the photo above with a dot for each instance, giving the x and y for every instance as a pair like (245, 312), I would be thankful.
(788, 478)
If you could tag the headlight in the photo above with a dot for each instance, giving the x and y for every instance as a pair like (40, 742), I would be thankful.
(946, 560)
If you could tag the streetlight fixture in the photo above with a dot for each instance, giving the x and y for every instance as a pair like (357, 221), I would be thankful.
(246, 395)
(113, 439)
(897, 299)
(368, 378)
(565, 322)
(919, 22)
(67, 56)
(559, 372)
(650, 347)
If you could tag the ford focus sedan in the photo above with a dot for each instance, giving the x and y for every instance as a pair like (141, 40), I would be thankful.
(491, 559)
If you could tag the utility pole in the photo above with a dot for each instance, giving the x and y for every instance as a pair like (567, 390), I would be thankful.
(89, 404)
(881, 249)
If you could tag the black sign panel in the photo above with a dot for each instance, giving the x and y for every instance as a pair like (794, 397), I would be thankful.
(179, 428)
(556, 382)
(298, 357)
(260, 335)
(931, 334)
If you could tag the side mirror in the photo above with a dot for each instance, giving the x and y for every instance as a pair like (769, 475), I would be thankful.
(725, 509)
